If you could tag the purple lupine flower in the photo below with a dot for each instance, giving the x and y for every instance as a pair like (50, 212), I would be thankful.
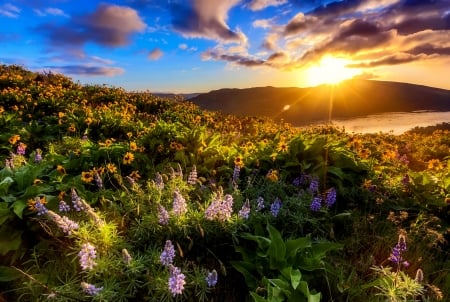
(220, 210)
(406, 180)
(330, 200)
(21, 149)
(314, 185)
(244, 212)
(167, 254)
(316, 204)
(179, 204)
(403, 159)
(176, 281)
(236, 172)
(38, 156)
(159, 182)
(192, 178)
(63, 206)
(90, 289)
(87, 255)
(260, 203)
(211, 279)
(275, 207)
(67, 225)
(396, 254)
(39, 206)
(163, 215)
(98, 180)
(76, 201)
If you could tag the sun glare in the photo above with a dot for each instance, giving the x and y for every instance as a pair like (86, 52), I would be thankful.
(330, 70)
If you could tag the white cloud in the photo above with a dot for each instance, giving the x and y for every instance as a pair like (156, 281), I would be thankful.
(9, 10)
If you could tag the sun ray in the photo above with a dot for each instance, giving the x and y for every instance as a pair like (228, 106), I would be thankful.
(330, 70)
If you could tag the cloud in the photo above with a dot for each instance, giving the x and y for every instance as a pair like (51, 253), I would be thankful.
(184, 46)
(9, 10)
(256, 5)
(205, 19)
(87, 70)
(109, 25)
(262, 23)
(394, 59)
(220, 54)
(155, 54)
(50, 11)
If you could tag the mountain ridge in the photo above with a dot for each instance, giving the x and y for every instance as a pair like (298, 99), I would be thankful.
(302, 106)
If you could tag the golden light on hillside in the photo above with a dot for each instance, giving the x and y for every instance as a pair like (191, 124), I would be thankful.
(330, 70)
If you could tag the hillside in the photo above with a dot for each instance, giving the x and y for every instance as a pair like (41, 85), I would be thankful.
(351, 98)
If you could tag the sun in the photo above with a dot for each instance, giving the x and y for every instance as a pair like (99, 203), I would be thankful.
(330, 70)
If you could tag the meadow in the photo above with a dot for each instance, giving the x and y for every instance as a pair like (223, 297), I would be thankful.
(109, 195)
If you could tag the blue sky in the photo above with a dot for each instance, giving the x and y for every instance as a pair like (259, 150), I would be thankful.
(200, 45)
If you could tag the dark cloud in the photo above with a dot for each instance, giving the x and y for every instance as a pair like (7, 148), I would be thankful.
(390, 60)
(84, 70)
(295, 25)
(360, 28)
(238, 59)
(204, 19)
(109, 25)
(429, 49)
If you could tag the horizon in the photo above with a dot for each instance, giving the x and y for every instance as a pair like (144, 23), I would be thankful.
(197, 46)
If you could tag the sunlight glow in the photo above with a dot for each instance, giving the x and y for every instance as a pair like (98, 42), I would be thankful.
(330, 70)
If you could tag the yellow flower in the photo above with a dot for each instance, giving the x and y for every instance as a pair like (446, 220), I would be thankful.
(2, 110)
(282, 147)
(128, 158)
(60, 169)
(14, 139)
(272, 175)
(135, 175)
(88, 121)
(37, 181)
(87, 177)
(133, 146)
(111, 168)
(238, 162)
(61, 114)
(72, 128)
(435, 164)
(32, 203)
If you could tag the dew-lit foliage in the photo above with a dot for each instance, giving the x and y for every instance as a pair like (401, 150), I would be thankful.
(108, 195)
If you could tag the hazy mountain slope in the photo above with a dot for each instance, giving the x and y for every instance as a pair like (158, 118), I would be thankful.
(350, 99)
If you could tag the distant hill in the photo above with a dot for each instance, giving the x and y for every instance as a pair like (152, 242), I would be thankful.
(307, 105)
(184, 96)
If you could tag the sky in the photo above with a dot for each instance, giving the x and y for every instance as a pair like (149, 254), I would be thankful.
(188, 46)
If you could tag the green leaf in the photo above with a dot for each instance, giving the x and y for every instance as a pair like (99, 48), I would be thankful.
(277, 249)
(10, 239)
(257, 297)
(4, 185)
(280, 283)
(294, 245)
(296, 277)
(8, 274)
(315, 298)
(5, 213)
(19, 206)
(8, 198)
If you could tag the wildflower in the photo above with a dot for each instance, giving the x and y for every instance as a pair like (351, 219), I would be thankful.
(167, 254)
(176, 281)
(126, 256)
(331, 197)
(128, 158)
(220, 210)
(211, 279)
(72, 128)
(275, 207)
(63, 206)
(60, 169)
(192, 178)
(260, 203)
(77, 202)
(405, 180)
(38, 204)
(90, 289)
(314, 185)
(163, 215)
(135, 175)
(244, 212)
(14, 139)
(88, 121)
(38, 156)
(396, 255)
(159, 181)
(133, 146)
(435, 164)
(67, 225)
(179, 204)
(87, 177)
(282, 147)
(111, 168)
(87, 255)
(238, 162)
(21, 148)
(236, 172)
(272, 175)
(98, 180)
(37, 181)
(316, 204)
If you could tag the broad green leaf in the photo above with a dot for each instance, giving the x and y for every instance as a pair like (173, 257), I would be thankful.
(296, 277)
(315, 298)
(8, 274)
(280, 283)
(4, 185)
(8, 198)
(277, 248)
(19, 206)
(10, 239)
(257, 297)
(5, 212)
(294, 245)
